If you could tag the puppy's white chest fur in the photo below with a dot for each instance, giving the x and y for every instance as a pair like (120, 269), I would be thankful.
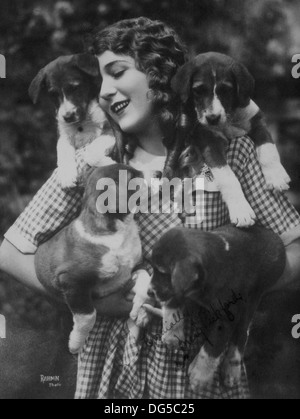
(74, 136)
(124, 253)
(82, 134)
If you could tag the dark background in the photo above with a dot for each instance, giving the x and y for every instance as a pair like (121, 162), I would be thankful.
(264, 34)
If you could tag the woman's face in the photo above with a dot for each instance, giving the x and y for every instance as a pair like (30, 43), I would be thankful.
(124, 93)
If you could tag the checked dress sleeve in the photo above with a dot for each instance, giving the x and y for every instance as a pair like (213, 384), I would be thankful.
(273, 209)
(50, 210)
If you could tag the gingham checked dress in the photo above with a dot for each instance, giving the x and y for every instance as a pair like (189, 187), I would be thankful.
(112, 365)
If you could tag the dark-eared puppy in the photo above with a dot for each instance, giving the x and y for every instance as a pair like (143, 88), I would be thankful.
(218, 279)
(215, 92)
(95, 255)
(73, 84)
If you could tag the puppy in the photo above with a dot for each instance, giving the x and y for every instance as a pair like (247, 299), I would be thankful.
(94, 256)
(223, 276)
(73, 84)
(216, 94)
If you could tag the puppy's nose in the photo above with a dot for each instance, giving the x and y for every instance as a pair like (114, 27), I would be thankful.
(213, 119)
(70, 117)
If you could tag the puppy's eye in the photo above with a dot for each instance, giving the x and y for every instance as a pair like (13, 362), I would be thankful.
(54, 96)
(225, 89)
(200, 90)
(159, 270)
(53, 93)
(73, 87)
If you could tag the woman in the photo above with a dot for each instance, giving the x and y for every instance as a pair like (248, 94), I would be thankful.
(138, 59)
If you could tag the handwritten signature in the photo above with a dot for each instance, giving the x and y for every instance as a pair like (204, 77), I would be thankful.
(207, 318)
(201, 322)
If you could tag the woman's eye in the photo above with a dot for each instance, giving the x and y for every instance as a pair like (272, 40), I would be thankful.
(118, 74)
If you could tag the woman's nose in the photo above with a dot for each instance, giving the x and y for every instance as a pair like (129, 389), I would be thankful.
(107, 90)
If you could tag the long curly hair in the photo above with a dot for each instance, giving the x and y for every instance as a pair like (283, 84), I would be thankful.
(158, 52)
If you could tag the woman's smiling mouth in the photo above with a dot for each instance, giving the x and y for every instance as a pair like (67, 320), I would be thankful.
(118, 107)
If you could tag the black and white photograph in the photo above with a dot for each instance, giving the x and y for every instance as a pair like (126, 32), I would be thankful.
(150, 202)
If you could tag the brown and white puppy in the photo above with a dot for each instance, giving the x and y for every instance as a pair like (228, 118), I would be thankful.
(73, 83)
(94, 256)
(217, 279)
(216, 94)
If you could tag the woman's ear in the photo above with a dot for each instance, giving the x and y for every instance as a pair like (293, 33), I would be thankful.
(182, 81)
(245, 84)
(37, 86)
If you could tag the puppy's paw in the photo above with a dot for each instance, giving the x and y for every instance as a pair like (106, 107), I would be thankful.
(241, 214)
(67, 177)
(76, 342)
(95, 154)
(231, 374)
(232, 369)
(202, 370)
(83, 325)
(276, 177)
(138, 314)
(275, 174)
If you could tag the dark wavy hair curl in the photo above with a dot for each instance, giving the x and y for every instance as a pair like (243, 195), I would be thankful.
(158, 52)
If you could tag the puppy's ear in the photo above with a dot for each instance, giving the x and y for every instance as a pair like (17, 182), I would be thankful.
(188, 278)
(244, 83)
(182, 81)
(87, 63)
(37, 86)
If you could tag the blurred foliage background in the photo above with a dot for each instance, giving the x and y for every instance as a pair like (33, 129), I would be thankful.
(264, 34)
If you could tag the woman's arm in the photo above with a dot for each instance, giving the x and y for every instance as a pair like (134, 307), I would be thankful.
(19, 266)
(273, 209)
(51, 209)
